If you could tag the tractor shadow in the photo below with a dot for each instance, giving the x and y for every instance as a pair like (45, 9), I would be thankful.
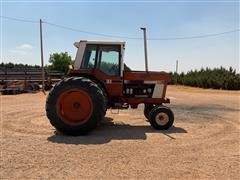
(108, 130)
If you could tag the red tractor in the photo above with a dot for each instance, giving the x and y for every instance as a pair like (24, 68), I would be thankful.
(98, 82)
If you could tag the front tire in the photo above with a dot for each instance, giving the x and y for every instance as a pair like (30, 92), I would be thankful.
(161, 118)
(75, 106)
(147, 110)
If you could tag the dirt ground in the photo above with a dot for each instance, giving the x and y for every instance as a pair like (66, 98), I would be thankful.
(203, 144)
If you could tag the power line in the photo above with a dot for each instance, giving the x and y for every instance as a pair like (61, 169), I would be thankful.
(198, 36)
(124, 37)
(20, 20)
(88, 32)
(137, 38)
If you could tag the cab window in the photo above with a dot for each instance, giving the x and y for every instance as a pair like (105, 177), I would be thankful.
(89, 57)
(109, 58)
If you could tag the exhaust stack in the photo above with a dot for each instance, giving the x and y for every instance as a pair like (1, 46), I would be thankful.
(145, 48)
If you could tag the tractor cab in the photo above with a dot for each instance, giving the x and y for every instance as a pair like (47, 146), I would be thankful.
(104, 56)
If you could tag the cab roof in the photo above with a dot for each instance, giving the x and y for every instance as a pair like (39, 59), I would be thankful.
(77, 44)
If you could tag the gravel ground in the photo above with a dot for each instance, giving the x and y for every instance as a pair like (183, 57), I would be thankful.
(204, 142)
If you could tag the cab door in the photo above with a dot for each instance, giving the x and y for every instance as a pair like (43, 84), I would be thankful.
(109, 63)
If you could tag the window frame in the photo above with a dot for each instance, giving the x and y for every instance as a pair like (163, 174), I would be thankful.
(84, 55)
(98, 65)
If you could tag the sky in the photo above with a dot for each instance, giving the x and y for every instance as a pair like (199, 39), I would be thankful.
(20, 41)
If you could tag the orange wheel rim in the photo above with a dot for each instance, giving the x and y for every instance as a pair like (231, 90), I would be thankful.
(74, 106)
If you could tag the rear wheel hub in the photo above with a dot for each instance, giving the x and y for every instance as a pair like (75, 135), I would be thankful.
(74, 106)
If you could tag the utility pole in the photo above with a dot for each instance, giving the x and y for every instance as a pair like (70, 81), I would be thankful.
(145, 48)
(42, 63)
(176, 66)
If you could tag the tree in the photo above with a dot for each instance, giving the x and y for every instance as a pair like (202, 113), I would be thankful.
(217, 78)
(11, 65)
(60, 61)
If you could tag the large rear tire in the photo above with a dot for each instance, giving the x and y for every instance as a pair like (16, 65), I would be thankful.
(104, 95)
(75, 106)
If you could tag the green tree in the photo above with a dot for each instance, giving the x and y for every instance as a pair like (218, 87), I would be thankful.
(60, 61)
(11, 65)
(217, 78)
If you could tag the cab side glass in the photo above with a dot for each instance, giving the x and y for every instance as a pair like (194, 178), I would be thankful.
(109, 57)
(89, 57)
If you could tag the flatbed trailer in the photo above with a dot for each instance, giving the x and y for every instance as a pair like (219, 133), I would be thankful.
(15, 81)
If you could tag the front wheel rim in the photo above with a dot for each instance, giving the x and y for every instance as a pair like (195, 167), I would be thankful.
(162, 119)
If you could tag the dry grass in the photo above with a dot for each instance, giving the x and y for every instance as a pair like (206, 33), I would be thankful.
(203, 144)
